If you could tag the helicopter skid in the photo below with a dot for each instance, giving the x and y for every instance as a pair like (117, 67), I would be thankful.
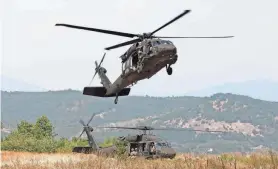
(85, 150)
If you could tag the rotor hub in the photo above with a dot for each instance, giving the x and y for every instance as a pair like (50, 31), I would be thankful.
(146, 35)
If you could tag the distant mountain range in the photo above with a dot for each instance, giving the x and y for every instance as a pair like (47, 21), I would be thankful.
(259, 89)
(250, 123)
(10, 84)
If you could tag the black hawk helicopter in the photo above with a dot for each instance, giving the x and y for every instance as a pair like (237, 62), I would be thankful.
(147, 55)
(144, 145)
(93, 146)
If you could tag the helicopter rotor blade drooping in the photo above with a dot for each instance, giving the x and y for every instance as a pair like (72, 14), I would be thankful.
(144, 128)
(193, 37)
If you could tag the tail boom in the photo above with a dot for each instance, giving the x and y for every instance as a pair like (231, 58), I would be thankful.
(107, 90)
(104, 79)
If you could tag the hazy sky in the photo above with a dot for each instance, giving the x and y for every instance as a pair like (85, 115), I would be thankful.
(58, 57)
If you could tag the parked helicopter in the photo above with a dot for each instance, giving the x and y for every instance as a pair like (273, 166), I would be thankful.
(93, 146)
(147, 55)
(145, 145)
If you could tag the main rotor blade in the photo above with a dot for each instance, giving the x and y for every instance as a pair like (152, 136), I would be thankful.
(124, 44)
(135, 128)
(193, 36)
(185, 129)
(171, 21)
(130, 35)
(151, 128)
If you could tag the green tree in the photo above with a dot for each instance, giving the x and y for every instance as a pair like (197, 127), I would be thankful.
(109, 142)
(36, 137)
(25, 128)
(39, 137)
(43, 128)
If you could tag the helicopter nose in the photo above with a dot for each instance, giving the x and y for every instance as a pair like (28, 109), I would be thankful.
(169, 152)
(171, 49)
(168, 49)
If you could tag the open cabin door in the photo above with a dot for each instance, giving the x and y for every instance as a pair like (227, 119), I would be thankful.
(128, 66)
(146, 150)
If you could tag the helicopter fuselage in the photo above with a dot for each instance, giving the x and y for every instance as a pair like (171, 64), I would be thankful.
(142, 61)
(142, 145)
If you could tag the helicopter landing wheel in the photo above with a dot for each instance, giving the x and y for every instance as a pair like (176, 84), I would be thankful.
(169, 70)
(116, 100)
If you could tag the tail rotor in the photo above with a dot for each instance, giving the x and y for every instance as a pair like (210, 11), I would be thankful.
(86, 125)
(91, 141)
(98, 67)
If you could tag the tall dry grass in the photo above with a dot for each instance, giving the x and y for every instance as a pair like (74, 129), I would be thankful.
(20, 160)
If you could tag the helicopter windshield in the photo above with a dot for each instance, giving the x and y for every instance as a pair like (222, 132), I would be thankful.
(166, 42)
(156, 43)
(162, 144)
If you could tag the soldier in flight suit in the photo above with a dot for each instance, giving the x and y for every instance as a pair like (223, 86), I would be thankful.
(152, 148)
(133, 152)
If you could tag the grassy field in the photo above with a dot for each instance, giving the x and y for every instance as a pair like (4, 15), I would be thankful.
(24, 160)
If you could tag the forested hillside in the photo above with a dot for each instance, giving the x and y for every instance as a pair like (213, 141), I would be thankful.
(251, 123)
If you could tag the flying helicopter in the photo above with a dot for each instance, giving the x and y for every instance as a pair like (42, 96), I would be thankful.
(146, 56)
(146, 145)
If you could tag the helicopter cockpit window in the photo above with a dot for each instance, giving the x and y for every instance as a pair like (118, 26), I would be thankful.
(155, 43)
(166, 42)
(162, 144)
(169, 42)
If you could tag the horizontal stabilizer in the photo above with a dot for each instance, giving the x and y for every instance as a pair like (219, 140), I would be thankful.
(101, 91)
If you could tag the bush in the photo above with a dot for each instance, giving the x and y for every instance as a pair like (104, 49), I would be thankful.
(108, 142)
(65, 145)
(39, 137)
(121, 148)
